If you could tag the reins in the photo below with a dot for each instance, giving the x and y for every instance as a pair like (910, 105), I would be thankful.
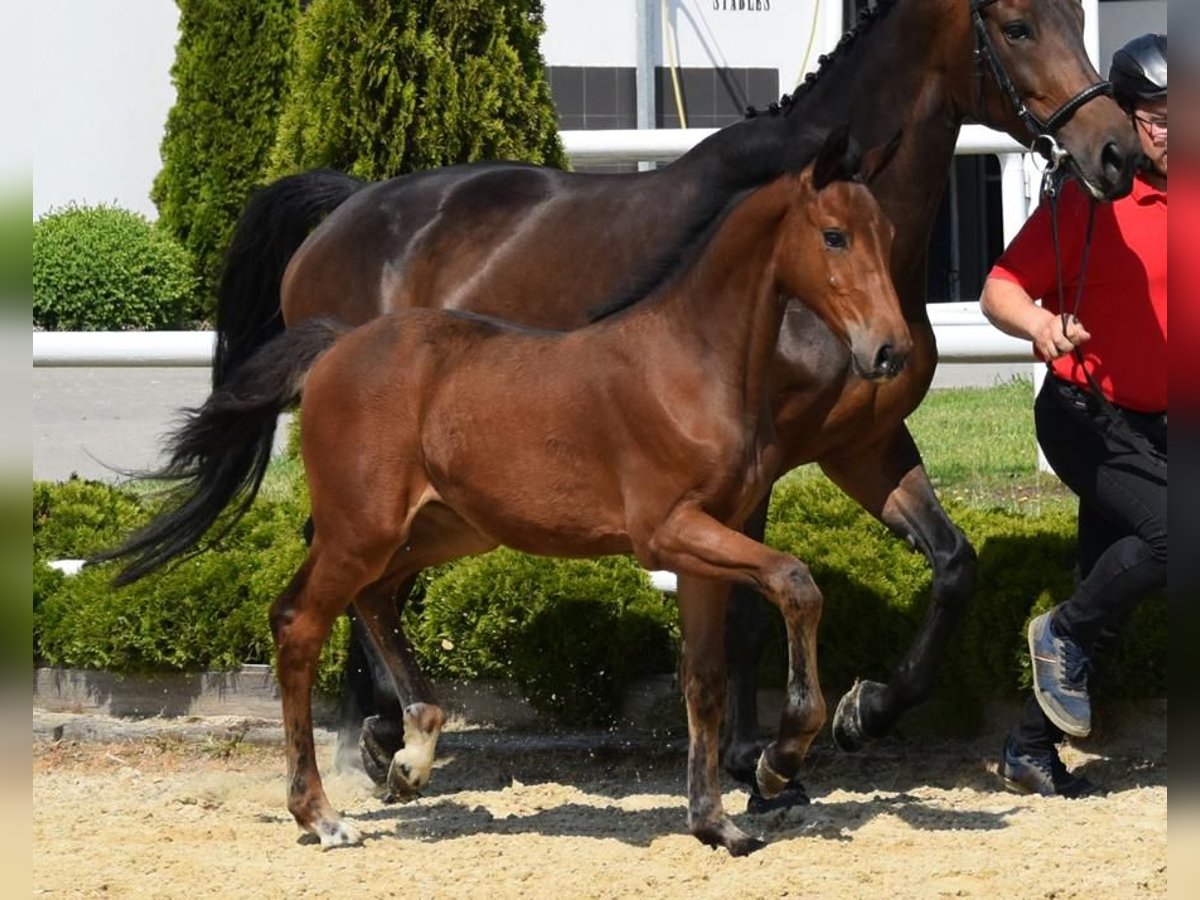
(1046, 144)
(1052, 180)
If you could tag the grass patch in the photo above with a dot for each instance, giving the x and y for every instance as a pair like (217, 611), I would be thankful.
(980, 450)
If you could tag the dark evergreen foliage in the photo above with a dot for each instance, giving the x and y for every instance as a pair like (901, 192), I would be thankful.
(230, 73)
(385, 87)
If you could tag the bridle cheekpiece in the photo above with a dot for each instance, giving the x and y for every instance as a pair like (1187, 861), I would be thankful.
(1043, 133)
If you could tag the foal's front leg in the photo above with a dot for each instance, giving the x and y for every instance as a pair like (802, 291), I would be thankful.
(699, 548)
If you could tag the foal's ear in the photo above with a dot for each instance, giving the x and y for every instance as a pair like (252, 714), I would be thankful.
(837, 160)
(876, 159)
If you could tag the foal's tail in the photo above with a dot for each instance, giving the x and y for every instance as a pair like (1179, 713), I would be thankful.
(274, 224)
(218, 456)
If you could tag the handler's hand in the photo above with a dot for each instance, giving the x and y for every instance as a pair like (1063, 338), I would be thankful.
(1052, 342)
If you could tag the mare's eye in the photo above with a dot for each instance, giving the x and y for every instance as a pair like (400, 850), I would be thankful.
(835, 239)
(1017, 31)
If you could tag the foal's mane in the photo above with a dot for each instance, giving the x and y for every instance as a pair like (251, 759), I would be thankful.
(669, 267)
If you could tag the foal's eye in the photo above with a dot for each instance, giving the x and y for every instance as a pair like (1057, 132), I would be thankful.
(1017, 31)
(835, 239)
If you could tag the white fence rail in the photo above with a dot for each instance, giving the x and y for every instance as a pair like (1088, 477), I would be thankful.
(963, 334)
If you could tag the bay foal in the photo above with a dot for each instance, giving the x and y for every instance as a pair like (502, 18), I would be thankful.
(430, 435)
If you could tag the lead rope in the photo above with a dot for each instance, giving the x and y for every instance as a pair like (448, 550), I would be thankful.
(1052, 181)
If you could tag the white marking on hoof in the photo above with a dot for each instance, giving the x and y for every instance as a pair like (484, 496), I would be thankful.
(412, 765)
(336, 833)
(770, 782)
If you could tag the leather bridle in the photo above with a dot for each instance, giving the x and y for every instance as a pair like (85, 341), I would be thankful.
(1044, 132)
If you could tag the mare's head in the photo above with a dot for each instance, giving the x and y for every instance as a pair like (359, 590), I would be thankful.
(1030, 76)
(833, 255)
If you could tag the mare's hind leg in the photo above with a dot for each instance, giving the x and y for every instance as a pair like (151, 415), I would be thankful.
(890, 482)
(696, 546)
(301, 619)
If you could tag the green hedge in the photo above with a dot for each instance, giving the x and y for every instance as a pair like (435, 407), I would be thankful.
(101, 268)
(573, 634)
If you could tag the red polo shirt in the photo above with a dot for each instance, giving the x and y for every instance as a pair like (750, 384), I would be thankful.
(1124, 303)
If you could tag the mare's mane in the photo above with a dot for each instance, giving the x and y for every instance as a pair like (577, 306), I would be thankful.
(867, 17)
(679, 257)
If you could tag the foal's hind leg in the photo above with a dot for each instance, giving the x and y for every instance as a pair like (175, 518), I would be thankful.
(301, 619)
(405, 754)
(421, 719)
(890, 481)
(694, 544)
(745, 636)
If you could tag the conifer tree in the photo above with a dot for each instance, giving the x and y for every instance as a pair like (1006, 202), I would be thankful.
(384, 87)
(231, 67)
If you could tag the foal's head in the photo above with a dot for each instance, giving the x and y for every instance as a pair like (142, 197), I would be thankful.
(833, 255)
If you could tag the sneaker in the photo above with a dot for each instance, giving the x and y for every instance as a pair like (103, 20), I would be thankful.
(1041, 772)
(1060, 672)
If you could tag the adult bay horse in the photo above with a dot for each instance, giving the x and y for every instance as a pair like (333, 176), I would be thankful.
(542, 247)
(432, 434)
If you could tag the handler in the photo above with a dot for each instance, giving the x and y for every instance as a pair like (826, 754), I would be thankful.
(1112, 454)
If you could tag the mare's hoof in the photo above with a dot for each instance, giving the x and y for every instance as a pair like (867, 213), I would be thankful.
(848, 731)
(792, 795)
(377, 744)
(725, 834)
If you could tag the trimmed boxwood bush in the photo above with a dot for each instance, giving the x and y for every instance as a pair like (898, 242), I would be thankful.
(101, 268)
(573, 634)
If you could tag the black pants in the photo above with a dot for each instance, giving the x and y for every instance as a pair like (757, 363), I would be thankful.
(1122, 545)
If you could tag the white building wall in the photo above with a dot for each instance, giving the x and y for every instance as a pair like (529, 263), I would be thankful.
(103, 86)
(772, 34)
(1125, 19)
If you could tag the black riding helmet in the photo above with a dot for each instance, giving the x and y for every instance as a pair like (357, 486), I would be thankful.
(1139, 70)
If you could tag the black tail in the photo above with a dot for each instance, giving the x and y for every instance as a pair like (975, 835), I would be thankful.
(275, 223)
(218, 456)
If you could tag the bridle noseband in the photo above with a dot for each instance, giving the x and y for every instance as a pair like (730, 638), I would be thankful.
(1044, 140)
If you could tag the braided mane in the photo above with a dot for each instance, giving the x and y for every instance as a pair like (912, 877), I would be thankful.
(867, 17)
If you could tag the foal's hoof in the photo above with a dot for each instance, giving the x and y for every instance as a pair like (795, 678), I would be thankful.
(848, 731)
(768, 783)
(377, 744)
(405, 779)
(336, 833)
(725, 834)
(792, 795)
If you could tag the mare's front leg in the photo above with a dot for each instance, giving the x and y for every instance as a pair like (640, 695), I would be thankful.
(745, 638)
(699, 548)
(890, 482)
